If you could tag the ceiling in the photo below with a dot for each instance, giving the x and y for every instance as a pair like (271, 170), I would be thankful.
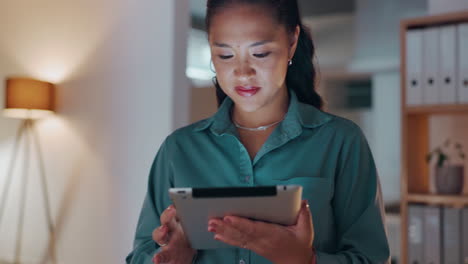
(309, 8)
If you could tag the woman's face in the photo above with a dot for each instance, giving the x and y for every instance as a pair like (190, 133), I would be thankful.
(250, 52)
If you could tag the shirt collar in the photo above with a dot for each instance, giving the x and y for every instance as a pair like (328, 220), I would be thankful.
(299, 115)
(220, 123)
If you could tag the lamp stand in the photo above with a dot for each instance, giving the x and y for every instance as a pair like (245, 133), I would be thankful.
(28, 132)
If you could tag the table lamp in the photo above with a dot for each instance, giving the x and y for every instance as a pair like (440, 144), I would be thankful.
(28, 99)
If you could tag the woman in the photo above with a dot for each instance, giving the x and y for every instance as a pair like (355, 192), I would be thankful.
(268, 130)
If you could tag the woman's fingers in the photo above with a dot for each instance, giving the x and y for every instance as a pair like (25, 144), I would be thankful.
(235, 231)
(170, 236)
(168, 215)
(304, 219)
(162, 257)
(168, 226)
(227, 234)
(254, 229)
(304, 226)
(271, 241)
(160, 235)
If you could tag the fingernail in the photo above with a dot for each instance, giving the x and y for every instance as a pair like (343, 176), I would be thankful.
(216, 237)
(212, 226)
(227, 220)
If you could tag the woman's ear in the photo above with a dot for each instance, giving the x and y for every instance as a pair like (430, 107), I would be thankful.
(294, 41)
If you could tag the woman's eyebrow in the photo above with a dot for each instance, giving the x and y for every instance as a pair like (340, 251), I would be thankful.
(259, 43)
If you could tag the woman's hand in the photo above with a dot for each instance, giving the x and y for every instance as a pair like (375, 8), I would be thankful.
(279, 244)
(176, 248)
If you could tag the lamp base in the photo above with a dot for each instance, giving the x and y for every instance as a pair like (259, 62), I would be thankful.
(27, 130)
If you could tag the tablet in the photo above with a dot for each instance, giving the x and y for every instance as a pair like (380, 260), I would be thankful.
(195, 206)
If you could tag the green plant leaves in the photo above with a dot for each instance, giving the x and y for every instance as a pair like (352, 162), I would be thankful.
(442, 156)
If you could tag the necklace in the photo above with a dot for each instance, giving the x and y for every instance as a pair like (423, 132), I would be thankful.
(260, 128)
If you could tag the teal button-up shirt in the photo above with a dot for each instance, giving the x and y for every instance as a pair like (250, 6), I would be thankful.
(326, 154)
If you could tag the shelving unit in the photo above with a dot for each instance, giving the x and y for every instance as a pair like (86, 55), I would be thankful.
(415, 136)
(433, 199)
(437, 109)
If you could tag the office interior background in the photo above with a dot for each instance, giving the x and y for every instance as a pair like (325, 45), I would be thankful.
(130, 72)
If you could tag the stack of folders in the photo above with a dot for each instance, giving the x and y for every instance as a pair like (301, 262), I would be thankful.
(437, 235)
(437, 65)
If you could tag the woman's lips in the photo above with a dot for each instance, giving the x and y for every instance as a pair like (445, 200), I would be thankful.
(247, 91)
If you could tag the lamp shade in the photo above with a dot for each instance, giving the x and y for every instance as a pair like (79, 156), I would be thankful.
(28, 98)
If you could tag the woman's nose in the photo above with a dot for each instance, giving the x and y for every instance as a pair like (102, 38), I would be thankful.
(244, 69)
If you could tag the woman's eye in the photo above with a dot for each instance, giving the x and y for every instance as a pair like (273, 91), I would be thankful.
(225, 57)
(262, 55)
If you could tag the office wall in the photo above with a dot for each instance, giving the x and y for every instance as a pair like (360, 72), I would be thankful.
(445, 6)
(376, 52)
(377, 28)
(385, 142)
(119, 66)
(203, 103)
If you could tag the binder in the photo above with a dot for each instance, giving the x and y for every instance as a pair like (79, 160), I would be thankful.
(465, 236)
(448, 64)
(415, 234)
(432, 232)
(462, 63)
(431, 79)
(452, 236)
(414, 93)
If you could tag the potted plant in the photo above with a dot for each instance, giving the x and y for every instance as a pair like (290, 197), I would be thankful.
(449, 175)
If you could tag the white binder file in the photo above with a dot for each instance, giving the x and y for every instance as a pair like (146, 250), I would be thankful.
(432, 232)
(415, 234)
(448, 64)
(452, 235)
(431, 83)
(465, 235)
(463, 63)
(414, 93)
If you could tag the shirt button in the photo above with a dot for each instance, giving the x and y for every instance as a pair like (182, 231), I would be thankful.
(241, 261)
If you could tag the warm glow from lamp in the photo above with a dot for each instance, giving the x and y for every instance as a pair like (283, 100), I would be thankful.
(28, 98)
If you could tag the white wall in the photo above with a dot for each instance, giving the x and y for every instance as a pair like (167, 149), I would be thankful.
(120, 70)
(445, 6)
(377, 25)
(386, 129)
(377, 51)
(333, 38)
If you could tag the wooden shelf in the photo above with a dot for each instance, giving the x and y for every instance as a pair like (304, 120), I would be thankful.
(458, 17)
(415, 129)
(437, 109)
(436, 199)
